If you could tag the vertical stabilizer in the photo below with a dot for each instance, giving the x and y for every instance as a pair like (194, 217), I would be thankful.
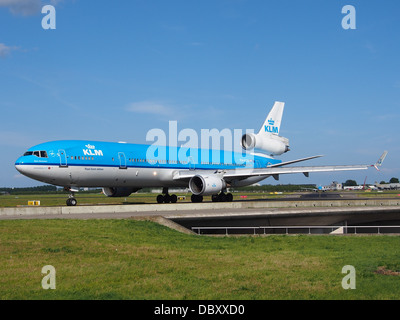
(273, 121)
(268, 138)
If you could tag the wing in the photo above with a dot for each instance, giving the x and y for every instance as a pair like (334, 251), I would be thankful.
(275, 170)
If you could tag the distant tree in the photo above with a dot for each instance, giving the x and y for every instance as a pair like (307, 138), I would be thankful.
(394, 180)
(350, 183)
(382, 182)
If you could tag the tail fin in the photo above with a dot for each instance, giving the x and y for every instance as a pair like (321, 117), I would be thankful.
(272, 123)
(268, 138)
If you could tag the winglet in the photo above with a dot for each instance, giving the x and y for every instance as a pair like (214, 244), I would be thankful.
(380, 161)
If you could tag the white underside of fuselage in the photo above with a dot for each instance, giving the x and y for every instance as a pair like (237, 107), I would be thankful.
(99, 176)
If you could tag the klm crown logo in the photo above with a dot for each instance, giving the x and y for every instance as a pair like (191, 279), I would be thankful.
(271, 128)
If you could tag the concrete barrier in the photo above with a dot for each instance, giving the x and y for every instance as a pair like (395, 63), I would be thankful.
(184, 207)
(26, 211)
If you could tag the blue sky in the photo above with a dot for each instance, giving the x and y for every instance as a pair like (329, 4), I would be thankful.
(113, 70)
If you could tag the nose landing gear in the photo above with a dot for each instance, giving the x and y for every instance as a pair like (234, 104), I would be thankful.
(71, 201)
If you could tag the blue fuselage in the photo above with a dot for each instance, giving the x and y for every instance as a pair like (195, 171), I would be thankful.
(97, 164)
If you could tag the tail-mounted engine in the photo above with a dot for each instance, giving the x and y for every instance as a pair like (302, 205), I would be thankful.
(268, 139)
(271, 143)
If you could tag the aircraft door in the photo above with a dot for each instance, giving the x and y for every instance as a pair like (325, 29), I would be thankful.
(122, 160)
(63, 158)
(191, 163)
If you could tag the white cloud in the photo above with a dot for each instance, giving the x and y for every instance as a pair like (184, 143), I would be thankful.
(6, 50)
(150, 107)
(26, 7)
(22, 7)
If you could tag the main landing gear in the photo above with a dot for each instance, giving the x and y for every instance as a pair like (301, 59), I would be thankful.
(222, 197)
(166, 197)
(71, 201)
(196, 198)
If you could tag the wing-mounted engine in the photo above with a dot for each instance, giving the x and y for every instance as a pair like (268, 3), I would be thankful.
(119, 191)
(206, 185)
(268, 139)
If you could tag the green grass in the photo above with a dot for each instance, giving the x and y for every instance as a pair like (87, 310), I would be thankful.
(83, 199)
(94, 199)
(126, 259)
(138, 198)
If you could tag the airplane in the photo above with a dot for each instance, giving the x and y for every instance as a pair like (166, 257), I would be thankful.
(121, 169)
(388, 186)
(354, 188)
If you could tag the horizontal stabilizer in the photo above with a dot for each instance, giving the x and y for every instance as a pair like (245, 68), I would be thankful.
(293, 161)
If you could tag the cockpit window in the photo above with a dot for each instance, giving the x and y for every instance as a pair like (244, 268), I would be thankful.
(39, 154)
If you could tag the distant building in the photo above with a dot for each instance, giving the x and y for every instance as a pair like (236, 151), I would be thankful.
(333, 186)
(336, 186)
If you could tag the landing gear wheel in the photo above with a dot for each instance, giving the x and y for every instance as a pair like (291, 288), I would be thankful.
(167, 198)
(174, 198)
(196, 198)
(160, 198)
(222, 197)
(71, 202)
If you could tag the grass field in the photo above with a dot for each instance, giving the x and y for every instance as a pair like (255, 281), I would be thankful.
(127, 259)
(99, 198)
(137, 198)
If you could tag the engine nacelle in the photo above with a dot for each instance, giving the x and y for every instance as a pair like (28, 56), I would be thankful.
(119, 191)
(273, 144)
(206, 185)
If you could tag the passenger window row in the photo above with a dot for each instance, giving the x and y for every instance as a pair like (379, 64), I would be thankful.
(43, 154)
(80, 158)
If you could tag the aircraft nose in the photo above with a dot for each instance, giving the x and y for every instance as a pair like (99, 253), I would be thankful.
(19, 165)
(19, 168)
(19, 161)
